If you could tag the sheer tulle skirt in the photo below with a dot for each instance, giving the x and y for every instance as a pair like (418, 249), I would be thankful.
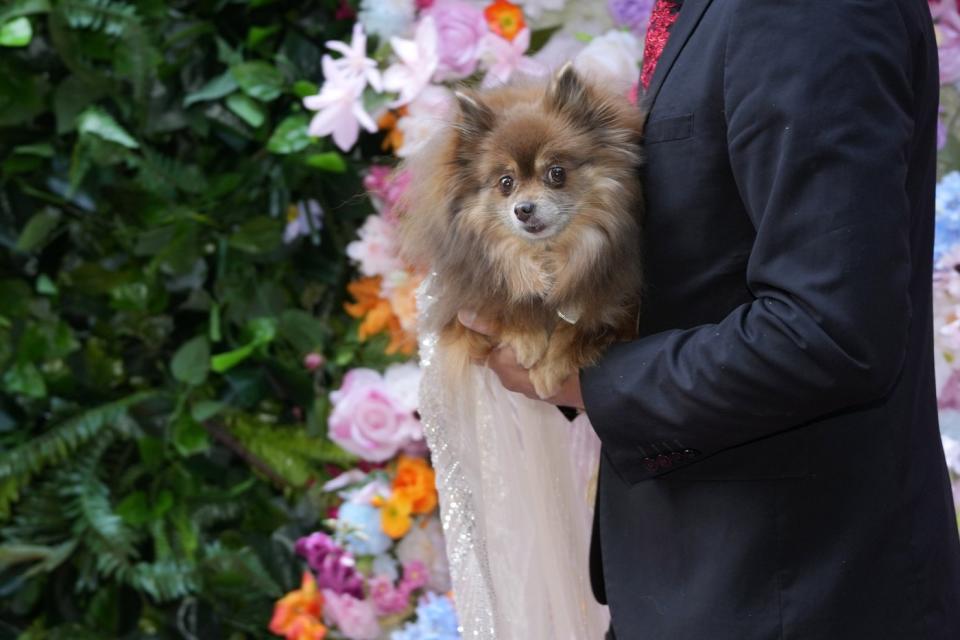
(515, 479)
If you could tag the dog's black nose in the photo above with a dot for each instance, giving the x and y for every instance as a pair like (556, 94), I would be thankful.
(523, 210)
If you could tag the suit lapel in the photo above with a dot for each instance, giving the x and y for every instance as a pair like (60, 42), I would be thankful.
(690, 13)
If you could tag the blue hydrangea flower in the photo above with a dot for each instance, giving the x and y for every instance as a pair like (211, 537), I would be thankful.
(947, 231)
(436, 620)
(358, 529)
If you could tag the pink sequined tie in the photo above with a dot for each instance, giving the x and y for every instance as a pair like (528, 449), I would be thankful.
(662, 17)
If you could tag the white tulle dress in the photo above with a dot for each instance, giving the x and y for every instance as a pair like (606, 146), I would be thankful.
(516, 480)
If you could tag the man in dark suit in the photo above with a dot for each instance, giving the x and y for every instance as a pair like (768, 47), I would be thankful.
(771, 464)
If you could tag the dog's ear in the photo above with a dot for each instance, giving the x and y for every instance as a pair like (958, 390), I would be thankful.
(567, 89)
(573, 97)
(476, 117)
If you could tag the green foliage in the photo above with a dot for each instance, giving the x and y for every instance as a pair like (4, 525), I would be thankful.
(161, 443)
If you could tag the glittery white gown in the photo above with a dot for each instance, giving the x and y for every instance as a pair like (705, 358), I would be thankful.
(515, 480)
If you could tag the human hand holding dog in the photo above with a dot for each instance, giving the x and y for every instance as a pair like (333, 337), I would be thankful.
(503, 362)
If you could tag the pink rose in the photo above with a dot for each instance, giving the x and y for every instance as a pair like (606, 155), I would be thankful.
(373, 417)
(460, 27)
(356, 619)
(376, 248)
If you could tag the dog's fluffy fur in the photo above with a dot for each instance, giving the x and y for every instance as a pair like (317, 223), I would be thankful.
(468, 219)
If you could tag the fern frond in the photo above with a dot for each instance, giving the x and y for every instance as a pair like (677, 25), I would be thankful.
(163, 175)
(109, 16)
(289, 451)
(95, 523)
(58, 443)
(240, 569)
(164, 580)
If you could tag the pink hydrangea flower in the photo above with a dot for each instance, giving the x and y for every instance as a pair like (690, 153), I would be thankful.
(948, 40)
(356, 619)
(375, 248)
(373, 416)
(460, 29)
(386, 597)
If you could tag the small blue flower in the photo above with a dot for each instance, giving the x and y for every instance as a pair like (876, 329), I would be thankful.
(436, 620)
(947, 230)
(358, 528)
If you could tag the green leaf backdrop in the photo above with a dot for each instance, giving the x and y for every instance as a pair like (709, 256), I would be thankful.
(161, 442)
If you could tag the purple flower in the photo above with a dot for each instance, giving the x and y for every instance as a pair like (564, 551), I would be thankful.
(334, 567)
(633, 14)
(303, 219)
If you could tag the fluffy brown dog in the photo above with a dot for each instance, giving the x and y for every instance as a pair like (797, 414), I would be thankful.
(527, 207)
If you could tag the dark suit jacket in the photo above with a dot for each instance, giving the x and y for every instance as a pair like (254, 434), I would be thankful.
(771, 465)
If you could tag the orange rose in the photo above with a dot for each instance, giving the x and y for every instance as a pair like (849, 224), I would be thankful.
(417, 481)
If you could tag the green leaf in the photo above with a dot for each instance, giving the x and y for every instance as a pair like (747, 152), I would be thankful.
(290, 136)
(217, 88)
(256, 35)
(189, 437)
(46, 286)
(191, 362)
(97, 122)
(25, 379)
(134, 509)
(247, 109)
(330, 161)
(260, 234)
(16, 33)
(304, 88)
(206, 409)
(37, 230)
(258, 79)
(41, 149)
(19, 8)
(225, 361)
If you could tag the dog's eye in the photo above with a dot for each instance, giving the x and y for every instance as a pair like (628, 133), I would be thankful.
(557, 176)
(506, 185)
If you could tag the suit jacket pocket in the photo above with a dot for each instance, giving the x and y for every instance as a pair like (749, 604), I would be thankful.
(670, 128)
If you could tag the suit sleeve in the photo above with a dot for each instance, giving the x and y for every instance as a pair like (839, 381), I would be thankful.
(818, 102)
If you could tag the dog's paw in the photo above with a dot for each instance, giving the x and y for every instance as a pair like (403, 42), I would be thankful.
(547, 378)
(529, 348)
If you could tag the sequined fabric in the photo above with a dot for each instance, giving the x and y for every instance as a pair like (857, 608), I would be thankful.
(662, 17)
(515, 481)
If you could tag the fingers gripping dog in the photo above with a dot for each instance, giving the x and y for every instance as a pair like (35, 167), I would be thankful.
(526, 207)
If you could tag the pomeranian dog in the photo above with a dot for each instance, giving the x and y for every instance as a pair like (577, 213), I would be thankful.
(526, 208)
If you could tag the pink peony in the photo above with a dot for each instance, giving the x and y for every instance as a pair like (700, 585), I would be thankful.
(373, 417)
(356, 619)
(461, 28)
(376, 248)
